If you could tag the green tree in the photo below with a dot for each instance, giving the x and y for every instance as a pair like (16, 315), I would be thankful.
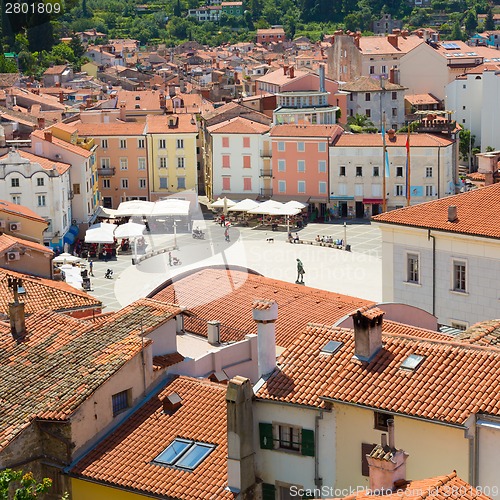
(27, 62)
(466, 144)
(489, 23)
(7, 65)
(470, 21)
(456, 32)
(177, 9)
(28, 488)
(76, 46)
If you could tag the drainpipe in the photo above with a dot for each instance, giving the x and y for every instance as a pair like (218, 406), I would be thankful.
(474, 451)
(439, 172)
(429, 236)
(318, 481)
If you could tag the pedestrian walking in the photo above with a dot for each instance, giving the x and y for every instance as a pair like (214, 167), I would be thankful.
(226, 234)
(169, 258)
(91, 268)
(300, 272)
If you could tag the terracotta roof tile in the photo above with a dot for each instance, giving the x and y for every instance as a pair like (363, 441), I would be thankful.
(63, 360)
(55, 70)
(150, 430)
(374, 140)
(39, 134)
(8, 241)
(21, 210)
(105, 129)
(45, 163)
(160, 362)
(381, 383)
(44, 294)
(159, 124)
(477, 212)
(484, 333)
(306, 130)
(418, 99)
(278, 77)
(380, 44)
(367, 84)
(238, 125)
(227, 296)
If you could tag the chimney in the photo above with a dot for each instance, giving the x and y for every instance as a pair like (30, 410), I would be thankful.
(171, 403)
(17, 321)
(292, 72)
(322, 78)
(391, 134)
(367, 332)
(240, 451)
(285, 70)
(356, 41)
(265, 313)
(163, 101)
(123, 111)
(61, 96)
(47, 134)
(452, 213)
(387, 465)
(393, 40)
(58, 84)
(41, 122)
(213, 332)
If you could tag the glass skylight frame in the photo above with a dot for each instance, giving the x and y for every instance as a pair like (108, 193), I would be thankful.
(412, 362)
(181, 458)
(331, 347)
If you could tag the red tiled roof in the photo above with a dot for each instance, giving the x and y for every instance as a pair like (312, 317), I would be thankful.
(278, 77)
(306, 130)
(239, 125)
(380, 45)
(20, 210)
(452, 382)
(44, 294)
(45, 163)
(125, 458)
(477, 212)
(159, 124)
(367, 84)
(227, 296)
(449, 487)
(374, 140)
(63, 144)
(55, 70)
(484, 333)
(160, 362)
(105, 129)
(417, 99)
(63, 361)
(7, 241)
(476, 176)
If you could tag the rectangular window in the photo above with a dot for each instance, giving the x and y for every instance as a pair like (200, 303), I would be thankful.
(184, 454)
(247, 161)
(14, 182)
(394, 111)
(286, 437)
(322, 147)
(246, 142)
(428, 171)
(399, 190)
(226, 162)
(76, 188)
(226, 183)
(342, 171)
(41, 200)
(359, 171)
(301, 147)
(40, 181)
(124, 183)
(322, 166)
(247, 183)
(301, 186)
(180, 143)
(105, 163)
(180, 162)
(322, 188)
(281, 186)
(140, 144)
(301, 166)
(380, 421)
(281, 146)
(225, 142)
(367, 96)
(120, 401)
(181, 183)
(412, 268)
(429, 190)
(366, 449)
(123, 143)
(16, 199)
(163, 183)
(289, 437)
(106, 184)
(372, 70)
(123, 163)
(399, 171)
(162, 144)
(383, 69)
(459, 276)
(394, 96)
(281, 165)
(376, 171)
(368, 113)
(163, 162)
(142, 184)
(351, 98)
(104, 144)
(141, 163)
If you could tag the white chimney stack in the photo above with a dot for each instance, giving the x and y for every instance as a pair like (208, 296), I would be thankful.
(213, 332)
(265, 313)
(452, 213)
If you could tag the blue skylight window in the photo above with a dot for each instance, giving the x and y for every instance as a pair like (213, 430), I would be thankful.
(184, 454)
(412, 362)
(332, 347)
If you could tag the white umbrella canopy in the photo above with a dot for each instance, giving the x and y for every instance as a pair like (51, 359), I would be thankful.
(284, 210)
(266, 208)
(100, 233)
(134, 207)
(130, 230)
(221, 202)
(66, 257)
(295, 204)
(244, 205)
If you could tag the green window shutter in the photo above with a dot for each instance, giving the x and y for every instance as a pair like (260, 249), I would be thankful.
(307, 443)
(268, 491)
(266, 436)
(307, 497)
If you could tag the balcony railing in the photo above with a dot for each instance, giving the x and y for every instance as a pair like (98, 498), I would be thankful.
(266, 193)
(266, 173)
(266, 153)
(106, 171)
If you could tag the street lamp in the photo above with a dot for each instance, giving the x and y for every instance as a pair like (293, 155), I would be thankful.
(175, 233)
(345, 234)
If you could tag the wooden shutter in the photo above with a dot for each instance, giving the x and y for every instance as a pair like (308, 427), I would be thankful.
(307, 443)
(266, 436)
(366, 449)
(268, 491)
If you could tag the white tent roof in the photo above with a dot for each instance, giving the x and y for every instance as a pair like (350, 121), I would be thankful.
(134, 207)
(105, 213)
(100, 233)
(129, 230)
(66, 257)
(220, 203)
(267, 208)
(171, 206)
(295, 204)
(244, 205)
(284, 210)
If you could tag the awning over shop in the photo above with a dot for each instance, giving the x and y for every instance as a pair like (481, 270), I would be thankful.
(374, 201)
(341, 198)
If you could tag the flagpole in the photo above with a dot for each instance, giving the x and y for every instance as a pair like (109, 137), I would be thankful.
(384, 154)
(408, 169)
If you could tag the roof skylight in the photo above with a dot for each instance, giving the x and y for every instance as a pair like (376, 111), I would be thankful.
(332, 347)
(184, 454)
(412, 362)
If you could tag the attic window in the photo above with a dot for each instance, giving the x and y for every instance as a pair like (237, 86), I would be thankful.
(412, 362)
(137, 97)
(332, 347)
(184, 454)
(137, 106)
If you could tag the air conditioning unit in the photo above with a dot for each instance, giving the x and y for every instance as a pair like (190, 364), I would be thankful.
(12, 256)
(14, 226)
(3, 224)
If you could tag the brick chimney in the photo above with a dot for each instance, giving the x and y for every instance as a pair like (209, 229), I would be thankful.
(393, 40)
(292, 72)
(265, 313)
(240, 451)
(171, 403)
(387, 465)
(40, 122)
(123, 111)
(47, 134)
(17, 321)
(285, 70)
(61, 96)
(367, 332)
(163, 101)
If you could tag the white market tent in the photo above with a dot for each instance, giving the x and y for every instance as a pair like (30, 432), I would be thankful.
(134, 207)
(244, 205)
(296, 204)
(130, 230)
(267, 208)
(100, 233)
(171, 206)
(66, 258)
(222, 203)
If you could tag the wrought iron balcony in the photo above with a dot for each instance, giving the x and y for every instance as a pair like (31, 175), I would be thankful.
(266, 153)
(266, 173)
(106, 171)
